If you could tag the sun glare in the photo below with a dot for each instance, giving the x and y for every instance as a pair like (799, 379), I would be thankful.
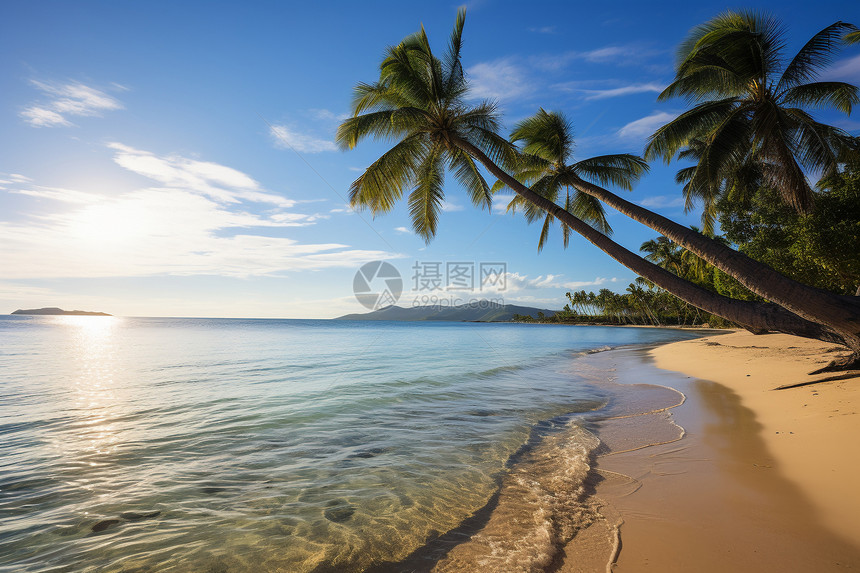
(105, 225)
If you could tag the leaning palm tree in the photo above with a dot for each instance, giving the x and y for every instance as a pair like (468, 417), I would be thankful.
(547, 167)
(419, 102)
(735, 166)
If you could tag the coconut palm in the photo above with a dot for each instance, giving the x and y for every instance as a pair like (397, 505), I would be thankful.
(419, 102)
(663, 252)
(748, 105)
(546, 167)
(765, 146)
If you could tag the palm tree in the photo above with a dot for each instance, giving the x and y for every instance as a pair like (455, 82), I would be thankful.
(546, 167)
(663, 252)
(419, 102)
(750, 106)
(726, 54)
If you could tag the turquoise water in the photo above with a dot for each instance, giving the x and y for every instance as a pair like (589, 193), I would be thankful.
(146, 444)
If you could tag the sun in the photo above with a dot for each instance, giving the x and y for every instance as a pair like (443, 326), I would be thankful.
(106, 226)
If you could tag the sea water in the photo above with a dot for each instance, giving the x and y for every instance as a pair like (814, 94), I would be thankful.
(233, 445)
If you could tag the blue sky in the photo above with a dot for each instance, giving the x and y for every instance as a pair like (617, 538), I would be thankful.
(176, 158)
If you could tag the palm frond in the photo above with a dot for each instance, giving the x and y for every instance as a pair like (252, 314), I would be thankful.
(544, 232)
(815, 56)
(454, 78)
(839, 95)
(622, 170)
(385, 124)
(780, 169)
(382, 184)
(469, 176)
(590, 210)
(425, 200)
(696, 123)
(548, 135)
(377, 97)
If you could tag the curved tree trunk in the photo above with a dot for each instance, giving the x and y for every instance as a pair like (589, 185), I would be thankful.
(757, 315)
(839, 313)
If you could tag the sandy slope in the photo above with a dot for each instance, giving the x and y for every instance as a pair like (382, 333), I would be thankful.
(812, 431)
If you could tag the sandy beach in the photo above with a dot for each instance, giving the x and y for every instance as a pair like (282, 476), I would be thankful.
(762, 479)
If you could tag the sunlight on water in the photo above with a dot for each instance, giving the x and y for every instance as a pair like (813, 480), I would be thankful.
(241, 445)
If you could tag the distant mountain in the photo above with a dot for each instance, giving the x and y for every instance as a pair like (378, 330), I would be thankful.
(59, 311)
(482, 311)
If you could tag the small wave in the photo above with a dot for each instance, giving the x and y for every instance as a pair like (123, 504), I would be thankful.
(541, 504)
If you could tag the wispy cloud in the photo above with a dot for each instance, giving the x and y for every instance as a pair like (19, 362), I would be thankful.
(543, 29)
(662, 202)
(499, 79)
(501, 202)
(645, 126)
(217, 181)
(597, 281)
(621, 91)
(847, 69)
(623, 55)
(197, 222)
(513, 77)
(56, 194)
(328, 115)
(67, 99)
(516, 282)
(403, 230)
(450, 207)
(288, 138)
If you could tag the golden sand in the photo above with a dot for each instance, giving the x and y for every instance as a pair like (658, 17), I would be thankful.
(763, 479)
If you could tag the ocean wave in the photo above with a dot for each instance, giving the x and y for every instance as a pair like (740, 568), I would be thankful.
(542, 503)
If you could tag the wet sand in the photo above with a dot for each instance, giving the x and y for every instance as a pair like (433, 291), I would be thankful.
(760, 480)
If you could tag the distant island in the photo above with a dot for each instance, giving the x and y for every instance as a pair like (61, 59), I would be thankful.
(481, 311)
(53, 311)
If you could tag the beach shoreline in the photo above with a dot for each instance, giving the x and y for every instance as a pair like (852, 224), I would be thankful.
(760, 479)
(813, 421)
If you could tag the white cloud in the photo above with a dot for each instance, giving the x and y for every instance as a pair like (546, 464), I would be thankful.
(597, 281)
(500, 79)
(662, 201)
(57, 194)
(195, 223)
(450, 207)
(645, 126)
(217, 181)
(328, 115)
(622, 91)
(286, 137)
(516, 282)
(41, 117)
(847, 69)
(543, 29)
(609, 53)
(501, 202)
(72, 99)
(403, 230)
(620, 55)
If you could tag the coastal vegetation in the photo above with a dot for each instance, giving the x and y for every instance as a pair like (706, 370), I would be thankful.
(749, 129)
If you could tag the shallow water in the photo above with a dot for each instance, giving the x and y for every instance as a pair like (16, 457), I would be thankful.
(283, 445)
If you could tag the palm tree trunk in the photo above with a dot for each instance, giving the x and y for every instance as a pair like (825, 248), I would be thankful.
(839, 313)
(758, 315)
